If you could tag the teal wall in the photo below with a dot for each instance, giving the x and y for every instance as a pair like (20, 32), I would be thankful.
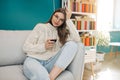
(115, 37)
(25, 14)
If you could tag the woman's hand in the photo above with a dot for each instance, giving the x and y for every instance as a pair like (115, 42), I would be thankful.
(49, 44)
(68, 13)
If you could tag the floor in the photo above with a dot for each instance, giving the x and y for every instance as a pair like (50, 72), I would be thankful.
(109, 69)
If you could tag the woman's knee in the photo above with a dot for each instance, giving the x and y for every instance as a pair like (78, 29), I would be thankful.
(29, 61)
(72, 44)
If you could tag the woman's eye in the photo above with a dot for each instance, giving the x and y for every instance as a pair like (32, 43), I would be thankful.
(62, 20)
(56, 16)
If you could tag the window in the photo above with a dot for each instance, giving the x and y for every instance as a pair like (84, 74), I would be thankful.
(105, 14)
(116, 14)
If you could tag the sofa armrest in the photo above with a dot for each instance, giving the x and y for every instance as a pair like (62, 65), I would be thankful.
(77, 65)
(11, 42)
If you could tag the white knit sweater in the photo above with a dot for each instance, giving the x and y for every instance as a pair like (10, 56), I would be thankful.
(34, 45)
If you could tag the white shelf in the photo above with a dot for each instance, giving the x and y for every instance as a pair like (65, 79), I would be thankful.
(86, 30)
(90, 56)
(90, 17)
(85, 13)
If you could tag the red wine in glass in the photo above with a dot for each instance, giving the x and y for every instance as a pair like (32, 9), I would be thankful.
(53, 40)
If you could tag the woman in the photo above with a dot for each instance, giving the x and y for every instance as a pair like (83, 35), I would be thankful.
(47, 58)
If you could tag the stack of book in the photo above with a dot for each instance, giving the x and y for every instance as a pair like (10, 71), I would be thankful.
(84, 23)
(83, 6)
(88, 39)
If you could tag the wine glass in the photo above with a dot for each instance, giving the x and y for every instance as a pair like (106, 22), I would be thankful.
(53, 37)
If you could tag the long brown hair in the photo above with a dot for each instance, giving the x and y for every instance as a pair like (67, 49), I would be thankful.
(62, 31)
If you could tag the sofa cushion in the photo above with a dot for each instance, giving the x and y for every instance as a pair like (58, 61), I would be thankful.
(11, 43)
(12, 73)
(15, 73)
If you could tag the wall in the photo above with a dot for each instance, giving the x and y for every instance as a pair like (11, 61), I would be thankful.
(25, 14)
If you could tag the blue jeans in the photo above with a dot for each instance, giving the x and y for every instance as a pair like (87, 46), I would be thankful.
(35, 69)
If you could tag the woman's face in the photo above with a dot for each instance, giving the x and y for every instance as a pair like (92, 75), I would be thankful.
(58, 19)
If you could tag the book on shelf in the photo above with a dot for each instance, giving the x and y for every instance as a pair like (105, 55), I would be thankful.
(79, 25)
(87, 6)
(87, 39)
(85, 23)
(84, 19)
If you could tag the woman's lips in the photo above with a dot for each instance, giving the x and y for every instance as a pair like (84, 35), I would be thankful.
(56, 23)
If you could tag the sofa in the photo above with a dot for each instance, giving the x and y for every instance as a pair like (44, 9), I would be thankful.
(12, 58)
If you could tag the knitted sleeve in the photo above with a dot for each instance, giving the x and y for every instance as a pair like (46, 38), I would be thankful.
(74, 35)
(35, 41)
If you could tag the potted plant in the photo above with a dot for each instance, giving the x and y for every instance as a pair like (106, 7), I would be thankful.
(102, 40)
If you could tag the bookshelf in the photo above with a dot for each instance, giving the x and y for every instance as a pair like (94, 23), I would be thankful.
(84, 18)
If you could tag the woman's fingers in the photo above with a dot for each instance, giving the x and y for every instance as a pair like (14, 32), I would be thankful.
(49, 44)
(69, 13)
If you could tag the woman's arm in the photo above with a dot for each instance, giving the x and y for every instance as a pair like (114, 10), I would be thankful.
(74, 35)
(35, 41)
